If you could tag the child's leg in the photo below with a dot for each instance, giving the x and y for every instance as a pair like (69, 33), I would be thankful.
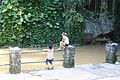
(51, 63)
(47, 60)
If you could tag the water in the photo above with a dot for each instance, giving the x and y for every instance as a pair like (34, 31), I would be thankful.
(84, 55)
(90, 54)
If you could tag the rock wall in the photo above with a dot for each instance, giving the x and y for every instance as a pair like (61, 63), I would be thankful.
(102, 25)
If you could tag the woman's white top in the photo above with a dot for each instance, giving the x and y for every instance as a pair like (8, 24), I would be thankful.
(66, 40)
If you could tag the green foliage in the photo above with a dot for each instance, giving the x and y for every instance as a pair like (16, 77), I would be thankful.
(28, 22)
(74, 21)
(11, 20)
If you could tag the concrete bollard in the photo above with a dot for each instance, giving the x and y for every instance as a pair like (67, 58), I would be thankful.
(15, 60)
(69, 53)
(111, 49)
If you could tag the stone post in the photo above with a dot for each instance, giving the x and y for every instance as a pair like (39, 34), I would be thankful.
(15, 60)
(111, 49)
(69, 54)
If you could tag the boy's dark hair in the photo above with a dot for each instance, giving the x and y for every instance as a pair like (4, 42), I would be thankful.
(50, 46)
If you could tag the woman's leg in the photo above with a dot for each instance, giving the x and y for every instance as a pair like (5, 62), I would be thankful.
(61, 45)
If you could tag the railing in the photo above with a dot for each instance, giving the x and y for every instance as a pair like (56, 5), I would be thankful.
(31, 62)
(15, 58)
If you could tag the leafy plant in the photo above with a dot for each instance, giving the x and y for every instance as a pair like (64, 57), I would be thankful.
(29, 22)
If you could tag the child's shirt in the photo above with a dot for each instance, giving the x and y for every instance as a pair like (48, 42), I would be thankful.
(50, 54)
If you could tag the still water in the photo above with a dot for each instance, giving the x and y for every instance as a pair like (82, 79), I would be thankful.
(83, 55)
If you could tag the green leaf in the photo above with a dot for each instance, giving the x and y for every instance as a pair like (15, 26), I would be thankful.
(57, 24)
(29, 15)
(15, 9)
(26, 17)
(21, 20)
(19, 23)
(4, 10)
(9, 6)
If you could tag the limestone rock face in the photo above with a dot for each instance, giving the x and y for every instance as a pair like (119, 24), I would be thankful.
(96, 27)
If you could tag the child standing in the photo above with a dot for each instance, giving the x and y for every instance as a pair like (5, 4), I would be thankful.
(50, 58)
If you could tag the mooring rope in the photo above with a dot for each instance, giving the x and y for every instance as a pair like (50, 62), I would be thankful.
(31, 62)
(35, 51)
(38, 51)
(39, 61)
(4, 64)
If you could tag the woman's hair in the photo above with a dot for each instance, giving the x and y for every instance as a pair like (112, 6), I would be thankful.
(64, 33)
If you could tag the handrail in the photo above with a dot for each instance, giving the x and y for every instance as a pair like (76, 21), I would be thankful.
(31, 62)
(35, 51)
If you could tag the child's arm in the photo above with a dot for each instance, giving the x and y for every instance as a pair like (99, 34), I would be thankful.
(45, 50)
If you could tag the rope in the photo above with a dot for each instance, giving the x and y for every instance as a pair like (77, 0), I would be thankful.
(39, 62)
(35, 51)
(31, 62)
(4, 54)
(4, 64)
(38, 51)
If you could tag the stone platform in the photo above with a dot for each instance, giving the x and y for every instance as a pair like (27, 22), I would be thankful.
(99, 71)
